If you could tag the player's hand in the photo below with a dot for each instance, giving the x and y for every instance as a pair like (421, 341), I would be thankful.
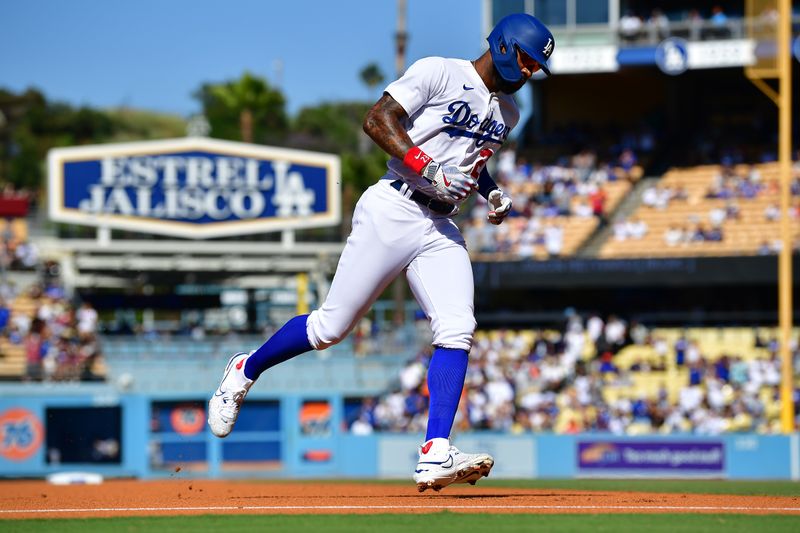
(450, 180)
(499, 206)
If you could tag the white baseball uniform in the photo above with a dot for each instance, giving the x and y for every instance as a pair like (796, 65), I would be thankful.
(454, 119)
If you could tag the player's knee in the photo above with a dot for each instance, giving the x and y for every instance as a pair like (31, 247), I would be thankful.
(328, 340)
(323, 332)
(455, 332)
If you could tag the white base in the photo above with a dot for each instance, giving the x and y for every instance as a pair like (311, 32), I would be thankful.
(75, 478)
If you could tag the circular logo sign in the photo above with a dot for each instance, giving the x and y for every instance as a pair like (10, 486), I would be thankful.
(672, 56)
(187, 419)
(21, 434)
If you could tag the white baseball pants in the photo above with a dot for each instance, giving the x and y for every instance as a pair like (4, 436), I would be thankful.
(392, 233)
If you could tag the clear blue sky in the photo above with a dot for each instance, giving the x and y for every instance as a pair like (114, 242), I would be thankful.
(153, 54)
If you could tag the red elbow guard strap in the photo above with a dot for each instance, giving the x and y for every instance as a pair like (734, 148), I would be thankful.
(416, 159)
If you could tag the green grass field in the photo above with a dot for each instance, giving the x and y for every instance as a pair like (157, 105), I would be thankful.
(445, 521)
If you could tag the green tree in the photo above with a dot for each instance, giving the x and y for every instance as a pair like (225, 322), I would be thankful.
(32, 125)
(135, 125)
(45, 125)
(330, 126)
(248, 109)
(25, 168)
(20, 160)
(336, 127)
(361, 171)
(372, 76)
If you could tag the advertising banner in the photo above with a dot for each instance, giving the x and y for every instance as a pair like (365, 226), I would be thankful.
(673, 456)
(194, 187)
(584, 59)
(21, 434)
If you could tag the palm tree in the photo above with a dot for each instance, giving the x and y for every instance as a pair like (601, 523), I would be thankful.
(372, 76)
(250, 96)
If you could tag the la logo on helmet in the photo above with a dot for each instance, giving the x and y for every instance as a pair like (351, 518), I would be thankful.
(548, 48)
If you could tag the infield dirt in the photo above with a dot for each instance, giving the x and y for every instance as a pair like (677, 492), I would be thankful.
(38, 499)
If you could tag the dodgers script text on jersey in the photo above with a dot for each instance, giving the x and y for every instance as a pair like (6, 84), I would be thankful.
(462, 121)
(453, 117)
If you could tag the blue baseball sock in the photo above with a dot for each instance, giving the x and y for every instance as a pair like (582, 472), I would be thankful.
(446, 375)
(289, 341)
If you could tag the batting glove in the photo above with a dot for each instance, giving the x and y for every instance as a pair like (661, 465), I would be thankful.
(452, 182)
(499, 206)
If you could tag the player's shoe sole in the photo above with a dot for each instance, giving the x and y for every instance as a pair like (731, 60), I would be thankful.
(470, 472)
(473, 473)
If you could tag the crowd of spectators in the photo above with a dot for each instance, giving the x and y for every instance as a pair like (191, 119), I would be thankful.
(560, 382)
(694, 25)
(772, 212)
(630, 228)
(698, 232)
(543, 196)
(730, 205)
(58, 337)
(731, 184)
(16, 252)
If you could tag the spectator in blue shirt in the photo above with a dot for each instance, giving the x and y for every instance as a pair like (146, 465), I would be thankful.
(722, 368)
(680, 351)
(607, 365)
(696, 373)
(5, 314)
(719, 28)
(714, 234)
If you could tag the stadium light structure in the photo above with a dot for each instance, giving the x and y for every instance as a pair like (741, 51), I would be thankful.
(769, 26)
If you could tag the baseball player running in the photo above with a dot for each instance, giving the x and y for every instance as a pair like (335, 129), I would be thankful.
(440, 122)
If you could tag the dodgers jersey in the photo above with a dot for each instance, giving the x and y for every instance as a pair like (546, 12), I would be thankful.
(452, 117)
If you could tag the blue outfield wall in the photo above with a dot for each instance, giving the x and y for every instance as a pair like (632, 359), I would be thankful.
(45, 431)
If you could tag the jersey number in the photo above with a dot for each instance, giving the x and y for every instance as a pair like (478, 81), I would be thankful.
(483, 157)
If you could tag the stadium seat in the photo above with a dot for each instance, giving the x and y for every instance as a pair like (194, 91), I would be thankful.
(742, 236)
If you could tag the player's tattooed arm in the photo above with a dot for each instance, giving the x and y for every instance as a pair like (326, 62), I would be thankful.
(384, 124)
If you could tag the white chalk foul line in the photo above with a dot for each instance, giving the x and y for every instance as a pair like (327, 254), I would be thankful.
(404, 507)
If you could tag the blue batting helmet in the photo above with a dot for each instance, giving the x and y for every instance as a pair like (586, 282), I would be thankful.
(525, 32)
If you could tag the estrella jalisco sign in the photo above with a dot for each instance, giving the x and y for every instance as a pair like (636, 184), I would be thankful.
(194, 187)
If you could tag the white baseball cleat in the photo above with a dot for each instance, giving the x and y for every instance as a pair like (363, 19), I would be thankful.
(223, 407)
(441, 465)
